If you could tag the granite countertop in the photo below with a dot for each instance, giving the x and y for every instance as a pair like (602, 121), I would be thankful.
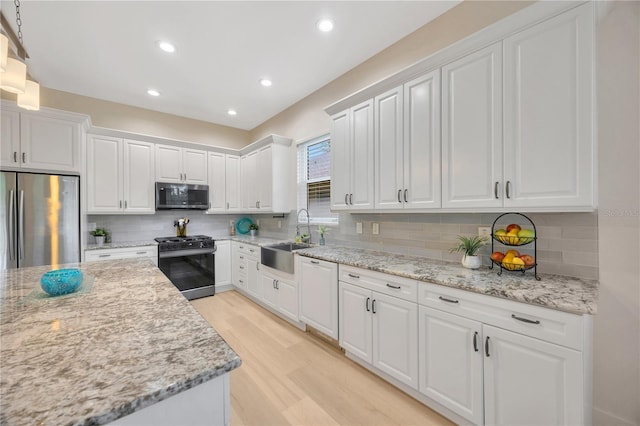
(574, 295)
(90, 358)
(123, 244)
(257, 240)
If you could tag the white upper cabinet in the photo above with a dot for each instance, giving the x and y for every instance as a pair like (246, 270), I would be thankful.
(267, 177)
(407, 145)
(232, 182)
(217, 184)
(43, 140)
(472, 130)
(181, 165)
(352, 158)
(120, 176)
(548, 127)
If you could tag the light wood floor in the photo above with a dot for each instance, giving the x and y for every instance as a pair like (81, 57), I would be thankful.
(289, 377)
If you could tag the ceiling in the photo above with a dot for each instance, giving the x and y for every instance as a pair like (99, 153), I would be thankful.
(108, 50)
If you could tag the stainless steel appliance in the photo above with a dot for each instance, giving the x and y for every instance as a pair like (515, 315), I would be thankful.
(39, 219)
(181, 196)
(189, 262)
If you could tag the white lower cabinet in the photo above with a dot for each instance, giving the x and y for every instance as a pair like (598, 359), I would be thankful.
(150, 251)
(280, 292)
(245, 268)
(318, 288)
(381, 330)
(478, 359)
(223, 262)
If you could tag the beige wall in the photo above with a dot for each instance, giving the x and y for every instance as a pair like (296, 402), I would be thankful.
(617, 325)
(307, 118)
(113, 115)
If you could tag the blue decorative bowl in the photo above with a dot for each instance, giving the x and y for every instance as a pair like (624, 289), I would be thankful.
(61, 281)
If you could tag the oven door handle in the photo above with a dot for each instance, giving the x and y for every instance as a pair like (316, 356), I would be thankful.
(182, 253)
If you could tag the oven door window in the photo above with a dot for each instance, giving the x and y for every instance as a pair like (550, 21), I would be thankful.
(189, 272)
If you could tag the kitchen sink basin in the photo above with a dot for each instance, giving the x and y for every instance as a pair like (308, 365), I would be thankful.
(280, 256)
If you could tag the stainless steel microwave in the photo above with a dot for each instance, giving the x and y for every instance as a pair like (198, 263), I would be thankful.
(181, 196)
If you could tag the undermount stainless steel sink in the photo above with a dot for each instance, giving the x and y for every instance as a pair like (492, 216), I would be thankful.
(280, 256)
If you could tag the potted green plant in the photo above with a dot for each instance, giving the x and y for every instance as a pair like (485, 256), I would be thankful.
(470, 246)
(322, 229)
(100, 234)
(253, 229)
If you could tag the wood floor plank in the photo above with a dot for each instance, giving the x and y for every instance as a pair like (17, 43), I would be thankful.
(289, 377)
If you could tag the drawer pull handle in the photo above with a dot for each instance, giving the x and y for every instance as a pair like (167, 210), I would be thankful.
(240, 281)
(528, 321)
(475, 341)
(406, 191)
(444, 299)
(242, 267)
(104, 255)
(373, 306)
(495, 190)
(397, 287)
(252, 250)
(354, 276)
(315, 262)
(141, 252)
(486, 346)
(367, 304)
(399, 192)
(241, 257)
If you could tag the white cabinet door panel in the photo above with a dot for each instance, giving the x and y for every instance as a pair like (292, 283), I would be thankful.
(139, 176)
(472, 129)
(49, 143)
(265, 178)
(361, 195)
(318, 286)
(355, 321)
(269, 291)
(223, 262)
(10, 138)
(287, 299)
(548, 157)
(450, 362)
(217, 182)
(395, 343)
(531, 382)
(168, 164)
(194, 166)
(422, 180)
(232, 182)
(389, 185)
(104, 175)
(340, 161)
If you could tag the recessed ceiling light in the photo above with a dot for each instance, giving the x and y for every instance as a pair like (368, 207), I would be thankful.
(232, 112)
(325, 25)
(166, 46)
(153, 92)
(266, 82)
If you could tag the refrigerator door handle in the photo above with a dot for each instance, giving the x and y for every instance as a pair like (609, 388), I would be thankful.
(21, 226)
(11, 226)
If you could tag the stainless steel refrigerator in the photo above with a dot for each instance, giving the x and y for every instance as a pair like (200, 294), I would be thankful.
(39, 219)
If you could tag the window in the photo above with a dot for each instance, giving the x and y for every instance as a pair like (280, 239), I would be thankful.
(314, 179)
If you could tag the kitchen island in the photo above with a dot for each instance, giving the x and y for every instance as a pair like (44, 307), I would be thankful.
(129, 343)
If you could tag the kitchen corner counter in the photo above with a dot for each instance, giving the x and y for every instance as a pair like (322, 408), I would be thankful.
(573, 295)
(91, 358)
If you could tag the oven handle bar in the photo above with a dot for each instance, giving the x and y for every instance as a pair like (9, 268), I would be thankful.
(182, 253)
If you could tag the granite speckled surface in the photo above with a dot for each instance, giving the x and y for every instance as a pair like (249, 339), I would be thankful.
(123, 244)
(567, 294)
(87, 359)
(258, 241)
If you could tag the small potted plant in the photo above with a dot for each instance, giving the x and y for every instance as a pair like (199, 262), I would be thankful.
(470, 246)
(322, 229)
(253, 229)
(99, 234)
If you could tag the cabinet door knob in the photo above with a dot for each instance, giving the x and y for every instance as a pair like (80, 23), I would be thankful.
(507, 192)
(125, 204)
(346, 202)
(406, 191)
(120, 203)
(366, 305)
(495, 190)
(486, 346)
(399, 192)
(24, 157)
(475, 341)
(15, 156)
(351, 199)
(373, 306)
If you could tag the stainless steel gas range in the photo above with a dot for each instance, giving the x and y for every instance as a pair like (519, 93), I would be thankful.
(189, 262)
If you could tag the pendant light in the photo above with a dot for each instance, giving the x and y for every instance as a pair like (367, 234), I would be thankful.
(15, 76)
(4, 52)
(30, 99)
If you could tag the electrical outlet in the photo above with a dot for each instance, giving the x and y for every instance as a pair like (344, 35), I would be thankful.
(375, 229)
(258, 222)
(484, 231)
(279, 224)
(358, 227)
(91, 226)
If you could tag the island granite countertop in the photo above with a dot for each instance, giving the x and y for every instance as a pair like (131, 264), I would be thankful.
(90, 358)
(121, 244)
(574, 295)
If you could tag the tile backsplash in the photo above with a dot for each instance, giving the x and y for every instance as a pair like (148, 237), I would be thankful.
(567, 242)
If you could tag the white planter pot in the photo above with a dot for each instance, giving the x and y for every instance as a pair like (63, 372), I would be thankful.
(99, 240)
(471, 262)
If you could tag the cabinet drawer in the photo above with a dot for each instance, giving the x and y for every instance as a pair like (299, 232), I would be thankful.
(122, 253)
(249, 250)
(402, 288)
(546, 324)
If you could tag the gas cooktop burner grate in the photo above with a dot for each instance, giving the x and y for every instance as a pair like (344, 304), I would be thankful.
(184, 243)
(182, 239)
